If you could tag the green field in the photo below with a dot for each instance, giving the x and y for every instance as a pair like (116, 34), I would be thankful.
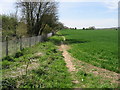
(97, 47)
(52, 72)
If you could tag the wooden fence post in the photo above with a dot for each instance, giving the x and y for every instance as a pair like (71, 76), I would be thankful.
(20, 43)
(6, 45)
(35, 40)
(30, 42)
(16, 40)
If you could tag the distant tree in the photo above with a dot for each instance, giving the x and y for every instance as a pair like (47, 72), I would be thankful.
(91, 28)
(83, 28)
(60, 26)
(75, 28)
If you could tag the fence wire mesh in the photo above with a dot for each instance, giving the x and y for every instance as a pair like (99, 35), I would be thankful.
(14, 46)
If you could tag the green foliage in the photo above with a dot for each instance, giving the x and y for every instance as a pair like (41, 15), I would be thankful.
(9, 22)
(47, 29)
(52, 72)
(21, 29)
(6, 64)
(49, 75)
(9, 58)
(56, 39)
(91, 81)
(99, 47)
(8, 83)
(18, 54)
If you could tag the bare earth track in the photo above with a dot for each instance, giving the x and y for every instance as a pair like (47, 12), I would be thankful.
(74, 65)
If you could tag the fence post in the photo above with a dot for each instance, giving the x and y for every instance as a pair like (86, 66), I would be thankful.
(30, 42)
(20, 43)
(35, 39)
(6, 45)
(16, 40)
(39, 38)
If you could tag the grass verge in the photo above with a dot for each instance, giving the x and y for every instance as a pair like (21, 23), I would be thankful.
(51, 72)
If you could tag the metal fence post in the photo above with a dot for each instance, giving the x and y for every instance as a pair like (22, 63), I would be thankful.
(6, 46)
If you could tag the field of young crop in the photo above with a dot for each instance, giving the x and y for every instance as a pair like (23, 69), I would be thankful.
(97, 47)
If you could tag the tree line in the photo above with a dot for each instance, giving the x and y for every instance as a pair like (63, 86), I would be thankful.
(36, 18)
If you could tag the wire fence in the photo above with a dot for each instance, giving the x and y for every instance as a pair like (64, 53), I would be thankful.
(13, 46)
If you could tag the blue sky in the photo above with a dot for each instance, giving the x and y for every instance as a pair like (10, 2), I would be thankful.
(85, 14)
(77, 13)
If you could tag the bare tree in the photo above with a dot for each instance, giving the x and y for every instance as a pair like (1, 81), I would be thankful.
(38, 14)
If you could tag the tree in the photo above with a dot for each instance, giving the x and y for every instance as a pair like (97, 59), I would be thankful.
(92, 28)
(9, 25)
(9, 22)
(38, 14)
(83, 28)
(21, 29)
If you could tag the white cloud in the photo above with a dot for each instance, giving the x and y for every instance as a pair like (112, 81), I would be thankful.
(87, 0)
(111, 4)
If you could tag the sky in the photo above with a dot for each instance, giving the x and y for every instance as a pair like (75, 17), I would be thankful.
(79, 13)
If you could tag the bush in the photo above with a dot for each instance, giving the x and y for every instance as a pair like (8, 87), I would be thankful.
(18, 54)
(8, 58)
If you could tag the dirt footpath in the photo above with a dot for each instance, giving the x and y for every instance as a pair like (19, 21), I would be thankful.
(72, 63)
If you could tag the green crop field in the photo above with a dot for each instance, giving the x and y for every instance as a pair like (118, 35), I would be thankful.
(97, 47)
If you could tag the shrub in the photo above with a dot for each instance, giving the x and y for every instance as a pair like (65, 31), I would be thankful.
(8, 58)
(18, 54)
